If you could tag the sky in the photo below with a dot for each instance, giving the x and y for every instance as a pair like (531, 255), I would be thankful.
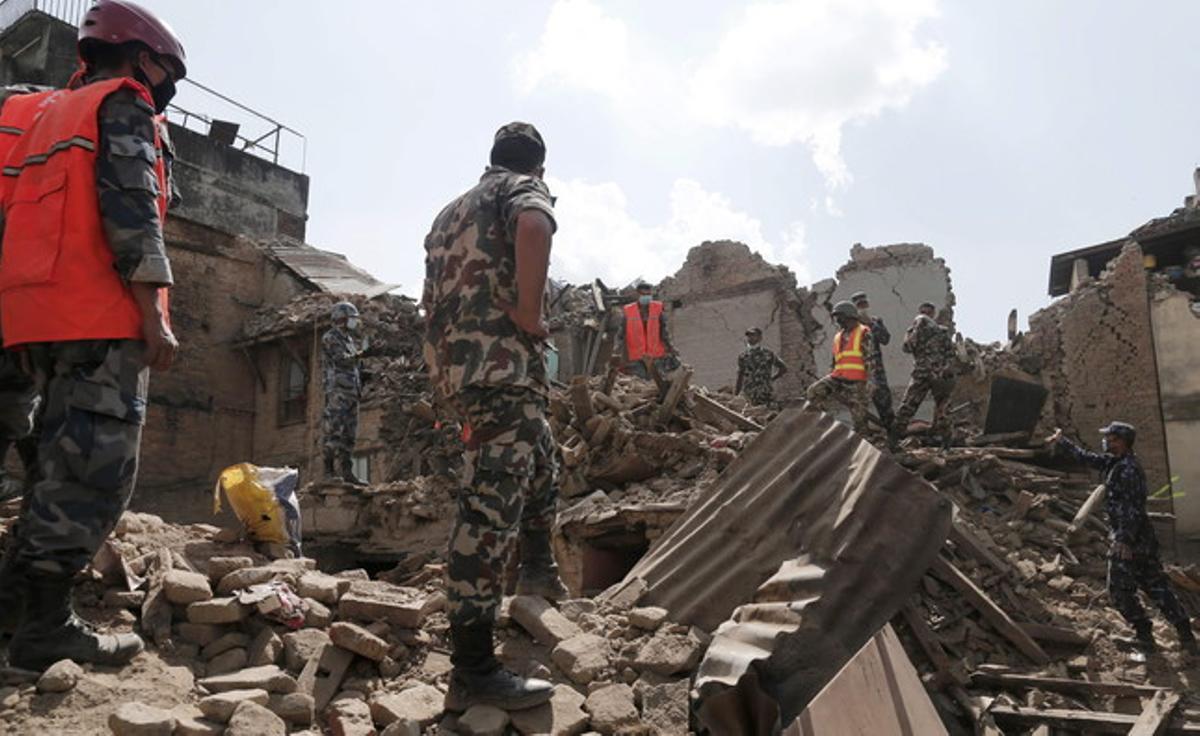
(997, 133)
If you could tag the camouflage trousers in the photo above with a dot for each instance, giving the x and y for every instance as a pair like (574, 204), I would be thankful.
(1144, 571)
(509, 484)
(19, 398)
(759, 394)
(920, 387)
(339, 423)
(95, 405)
(854, 395)
(881, 397)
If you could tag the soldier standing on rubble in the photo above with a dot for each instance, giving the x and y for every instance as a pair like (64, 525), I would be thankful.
(932, 348)
(86, 184)
(758, 368)
(340, 354)
(853, 362)
(487, 257)
(1133, 560)
(881, 393)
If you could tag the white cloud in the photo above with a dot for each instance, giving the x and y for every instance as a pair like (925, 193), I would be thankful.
(581, 47)
(598, 237)
(799, 71)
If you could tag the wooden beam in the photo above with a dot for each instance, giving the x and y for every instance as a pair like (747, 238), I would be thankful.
(678, 386)
(995, 677)
(994, 615)
(966, 540)
(932, 646)
(581, 400)
(1055, 635)
(714, 407)
(1082, 720)
(1086, 510)
(1153, 720)
(983, 722)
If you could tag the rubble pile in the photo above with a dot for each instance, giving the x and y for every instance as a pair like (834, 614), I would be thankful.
(1014, 616)
(243, 645)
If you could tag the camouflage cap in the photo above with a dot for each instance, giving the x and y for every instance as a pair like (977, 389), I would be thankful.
(1123, 430)
(859, 296)
(928, 305)
(754, 331)
(517, 129)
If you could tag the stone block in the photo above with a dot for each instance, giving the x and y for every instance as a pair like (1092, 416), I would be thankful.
(648, 618)
(267, 677)
(199, 634)
(219, 567)
(611, 708)
(252, 719)
(323, 674)
(59, 677)
(583, 658)
(226, 662)
(321, 587)
(217, 611)
(138, 719)
(295, 708)
(220, 707)
(669, 653)
(301, 646)
(562, 716)
(380, 601)
(183, 587)
(266, 648)
(350, 717)
(356, 639)
(230, 640)
(421, 703)
(543, 622)
(483, 720)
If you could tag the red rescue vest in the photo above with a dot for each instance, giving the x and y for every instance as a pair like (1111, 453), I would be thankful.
(644, 338)
(57, 276)
(16, 116)
(848, 360)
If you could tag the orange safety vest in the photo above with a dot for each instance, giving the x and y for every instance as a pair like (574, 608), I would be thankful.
(16, 116)
(57, 276)
(644, 339)
(848, 360)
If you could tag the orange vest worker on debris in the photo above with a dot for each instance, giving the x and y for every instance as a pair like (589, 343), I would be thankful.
(644, 338)
(83, 275)
(847, 384)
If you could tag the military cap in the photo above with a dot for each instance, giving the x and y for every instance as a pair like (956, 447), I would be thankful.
(343, 310)
(929, 305)
(519, 130)
(859, 296)
(644, 286)
(1124, 430)
(754, 331)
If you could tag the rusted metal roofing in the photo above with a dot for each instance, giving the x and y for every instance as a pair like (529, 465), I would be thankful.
(821, 537)
(329, 272)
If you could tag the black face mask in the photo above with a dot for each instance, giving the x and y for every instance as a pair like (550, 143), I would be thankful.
(162, 93)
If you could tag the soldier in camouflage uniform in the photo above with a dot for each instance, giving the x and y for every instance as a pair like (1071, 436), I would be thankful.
(758, 369)
(932, 348)
(1133, 560)
(847, 388)
(95, 389)
(487, 257)
(340, 354)
(881, 393)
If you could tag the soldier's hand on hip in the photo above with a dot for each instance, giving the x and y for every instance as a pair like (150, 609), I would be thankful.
(530, 324)
(161, 346)
(1122, 551)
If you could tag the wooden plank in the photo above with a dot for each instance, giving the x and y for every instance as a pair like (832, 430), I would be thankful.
(996, 677)
(1081, 720)
(1042, 730)
(678, 386)
(994, 615)
(1153, 720)
(581, 400)
(984, 724)
(1054, 634)
(729, 415)
(932, 646)
(966, 540)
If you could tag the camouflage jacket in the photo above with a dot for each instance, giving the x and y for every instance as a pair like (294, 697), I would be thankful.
(1125, 495)
(932, 348)
(339, 361)
(880, 336)
(757, 366)
(470, 265)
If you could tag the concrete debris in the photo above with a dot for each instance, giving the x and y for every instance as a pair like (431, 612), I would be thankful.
(136, 719)
(252, 719)
(59, 677)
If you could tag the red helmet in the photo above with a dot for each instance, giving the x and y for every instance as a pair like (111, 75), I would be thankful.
(120, 21)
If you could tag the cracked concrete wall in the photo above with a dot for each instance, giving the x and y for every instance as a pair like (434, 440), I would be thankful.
(722, 289)
(1097, 353)
(1177, 354)
(897, 279)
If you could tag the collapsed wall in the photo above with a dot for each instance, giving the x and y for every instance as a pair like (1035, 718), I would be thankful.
(897, 279)
(724, 288)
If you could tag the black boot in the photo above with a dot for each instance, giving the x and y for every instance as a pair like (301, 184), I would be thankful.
(1187, 639)
(13, 586)
(52, 632)
(346, 468)
(538, 574)
(478, 678)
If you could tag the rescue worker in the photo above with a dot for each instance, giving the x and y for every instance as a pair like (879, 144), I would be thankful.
(881, 393)
(644, 335)
(340, 354)
(1133, 560)
(487, 257)
(932, 348)
(83, 280)
(758, 368)
(849, 381)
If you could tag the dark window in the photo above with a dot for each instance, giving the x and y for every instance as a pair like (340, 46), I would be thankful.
(293, 389)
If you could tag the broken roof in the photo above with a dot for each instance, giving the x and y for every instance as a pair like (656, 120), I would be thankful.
(326, 271)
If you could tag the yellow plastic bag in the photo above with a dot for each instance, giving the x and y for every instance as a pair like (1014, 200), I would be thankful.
(264, 500)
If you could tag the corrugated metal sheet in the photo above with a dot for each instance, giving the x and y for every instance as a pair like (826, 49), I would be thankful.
(329, 272)
(821, 536)
(878, 692)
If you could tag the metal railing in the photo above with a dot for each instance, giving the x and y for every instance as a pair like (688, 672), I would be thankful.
(68, 11)
(267, 141)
